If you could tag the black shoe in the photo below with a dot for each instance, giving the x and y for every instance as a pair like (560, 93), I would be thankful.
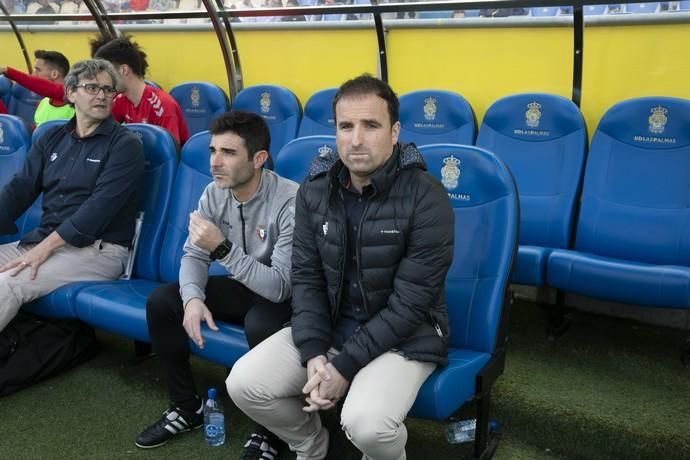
(173, 421)
(261, 445)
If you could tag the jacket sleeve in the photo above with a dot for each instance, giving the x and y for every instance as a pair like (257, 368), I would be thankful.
(195, 261)
(312, 326)
(38, 85)
(23, 189)
(417, 286)
(272, 283)
(124, 170)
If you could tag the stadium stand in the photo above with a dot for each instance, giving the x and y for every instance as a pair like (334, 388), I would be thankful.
(436, 116)
(435, 14)
(545, 11)
(23, 103)
(485, 201)
(633, 243)
(278, 106)
(650, 7)
(294, 159)
(200, 102)
(318, 114)
(594, 10)
(543, 140)
(14, 146)
(160, 152)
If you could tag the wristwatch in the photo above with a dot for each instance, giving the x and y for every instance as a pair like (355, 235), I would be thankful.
(222, 250)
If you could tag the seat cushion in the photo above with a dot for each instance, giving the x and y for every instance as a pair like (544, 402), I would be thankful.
(61, 303)
(530, 265)
(447, 388)
(619, 280)
(117, 306)
(120, 307)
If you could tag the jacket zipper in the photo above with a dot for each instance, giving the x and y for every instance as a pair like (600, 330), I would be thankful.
(358, 249)
(244, 238)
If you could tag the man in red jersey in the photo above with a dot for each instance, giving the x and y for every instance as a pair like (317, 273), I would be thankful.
(138, 101)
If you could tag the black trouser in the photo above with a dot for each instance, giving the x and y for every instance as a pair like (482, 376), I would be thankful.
(229, 301)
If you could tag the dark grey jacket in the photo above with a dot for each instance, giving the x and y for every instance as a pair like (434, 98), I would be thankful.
(404, 250)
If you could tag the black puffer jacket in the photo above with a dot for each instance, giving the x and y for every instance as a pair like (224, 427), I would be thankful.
(403, 251)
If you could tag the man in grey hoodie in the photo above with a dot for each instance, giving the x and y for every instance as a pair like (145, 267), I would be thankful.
(245, 222)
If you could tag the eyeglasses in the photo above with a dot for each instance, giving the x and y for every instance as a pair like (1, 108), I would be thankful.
(93, 89)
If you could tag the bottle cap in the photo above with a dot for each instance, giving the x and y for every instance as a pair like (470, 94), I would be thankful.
(211, 393)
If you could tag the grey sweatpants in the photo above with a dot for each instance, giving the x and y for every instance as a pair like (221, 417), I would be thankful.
(266, 384)
(68, 264)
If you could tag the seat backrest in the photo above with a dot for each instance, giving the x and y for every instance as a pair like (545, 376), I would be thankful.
(45, 126)
(543, 140)
(14, 146)
(648, 7)
(295, 158)
(193, 175)
(278, 106)
(684, 5)
(5, 90)
(545, 11)
(160, 154)
(435, 116)
(23, 103)
(485, 202)
(200, 102)
(318, 114)
(635, 201)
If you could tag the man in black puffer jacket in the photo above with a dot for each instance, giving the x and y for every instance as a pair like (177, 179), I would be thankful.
(373, 242)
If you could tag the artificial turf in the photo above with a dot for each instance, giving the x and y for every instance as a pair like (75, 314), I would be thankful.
(609, 388)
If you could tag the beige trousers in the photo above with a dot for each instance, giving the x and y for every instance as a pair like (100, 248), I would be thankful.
(266, 384)
(68, 264)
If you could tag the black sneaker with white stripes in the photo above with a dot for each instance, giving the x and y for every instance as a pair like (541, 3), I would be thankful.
(261, 445)
(173, 421)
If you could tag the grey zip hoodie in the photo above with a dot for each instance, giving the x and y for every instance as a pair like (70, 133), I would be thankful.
(260, 230)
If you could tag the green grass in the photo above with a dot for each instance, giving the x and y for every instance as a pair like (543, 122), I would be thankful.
(608, 389)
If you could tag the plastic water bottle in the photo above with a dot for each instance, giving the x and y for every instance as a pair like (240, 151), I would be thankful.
(461, 431)
(214, 421)
(464, 430)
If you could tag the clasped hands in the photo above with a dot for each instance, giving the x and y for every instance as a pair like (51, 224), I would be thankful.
(325, 385)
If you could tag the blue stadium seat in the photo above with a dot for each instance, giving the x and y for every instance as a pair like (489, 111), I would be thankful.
(45, 126)
(5, 90)
(279, 107)
(633, 243)
(435, 116)
(120, 306)
(295, 158)
(543, 140)
(14, 146)
(200, 103)
(23, 103)
(594, 10)
(160, 152)
(684, 5)
(485, 201)
(318, 114)
(545, 11)
(650, 7)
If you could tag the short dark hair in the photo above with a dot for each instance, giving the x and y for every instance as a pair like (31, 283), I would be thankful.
(249, 126)
(367, 84)
(123, 50)
(97, 42)
(54, 59)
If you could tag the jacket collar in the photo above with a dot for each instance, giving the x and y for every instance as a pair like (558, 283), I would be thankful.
(405, 156)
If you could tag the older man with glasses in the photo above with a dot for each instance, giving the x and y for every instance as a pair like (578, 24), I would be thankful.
(90, 173)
